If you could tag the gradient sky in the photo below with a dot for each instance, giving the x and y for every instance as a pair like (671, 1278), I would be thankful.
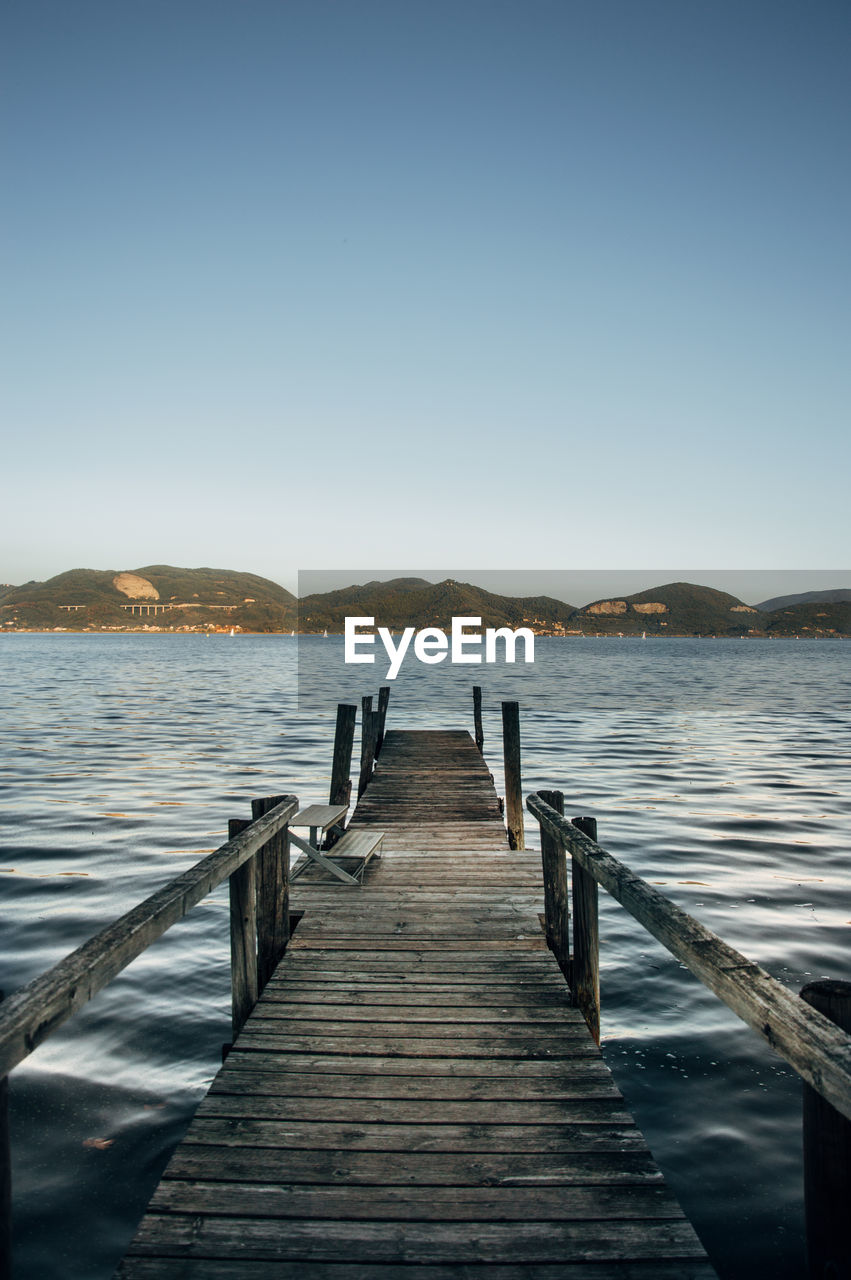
(299, 283)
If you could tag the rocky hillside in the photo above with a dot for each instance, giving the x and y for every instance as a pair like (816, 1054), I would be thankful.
(159, 596)
(678, 608)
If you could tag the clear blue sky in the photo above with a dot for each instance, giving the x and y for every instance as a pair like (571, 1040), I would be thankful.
(292, 283)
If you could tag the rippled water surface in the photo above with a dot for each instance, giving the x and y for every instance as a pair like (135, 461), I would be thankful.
(717, 769)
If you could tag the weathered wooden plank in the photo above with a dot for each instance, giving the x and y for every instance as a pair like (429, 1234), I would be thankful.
(416, 1242)
(316, 1136)
(398, 942)
(414, 1169)
(496, 1046)
(424, 1204)
(530, 1033)
(419, 982)
(258, 1104)
(387, 995)
(587, 1079)
(277, 1055)
(411, 1015)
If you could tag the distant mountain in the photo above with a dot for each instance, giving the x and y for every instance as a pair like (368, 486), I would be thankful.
(678, 608)
(165, 598)
(404, 602)
(159, 596)
(806, 597)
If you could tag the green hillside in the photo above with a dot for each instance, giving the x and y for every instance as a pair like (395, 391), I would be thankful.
(160, 596)
(678, 608)
(166, 598)
(826, 619)
(404, 602)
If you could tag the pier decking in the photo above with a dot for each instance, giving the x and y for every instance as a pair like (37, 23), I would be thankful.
(414, 1094)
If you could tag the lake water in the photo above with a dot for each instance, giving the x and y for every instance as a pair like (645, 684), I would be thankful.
(718, 770)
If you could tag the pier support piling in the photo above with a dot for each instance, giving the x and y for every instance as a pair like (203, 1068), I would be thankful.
(243, 935)
(477, 718)
(273, 895)
(369, 730)
(383, 699)
(341, 764)
(827, 1155)
(585, 975)
(513, 784)
(556, 908)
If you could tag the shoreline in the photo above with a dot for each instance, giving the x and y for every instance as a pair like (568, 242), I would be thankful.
(289, 635)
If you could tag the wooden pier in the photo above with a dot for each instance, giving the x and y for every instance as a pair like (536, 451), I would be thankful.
(413, 1090)
(414, 1094)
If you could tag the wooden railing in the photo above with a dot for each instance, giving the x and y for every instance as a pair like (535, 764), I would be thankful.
(813, 1045)
(256, 861)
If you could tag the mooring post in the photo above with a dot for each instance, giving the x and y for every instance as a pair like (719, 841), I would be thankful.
(556, 909)
(383, 699)
(243, 935)
(369, 724)
(341, 764)
(827, 1155)
(5, 1178)
(477, 718)
(585, 986)
(513, 784)
(273, 894)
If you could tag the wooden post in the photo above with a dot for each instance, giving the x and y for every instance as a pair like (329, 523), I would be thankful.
(513, 784)
(369, 725)
(5, 1179)
(827, 1155)
(243, 935)
(556, 909)
(477, 718)
(383, 699)
(341, 766)
(273, 895)
(585, 988)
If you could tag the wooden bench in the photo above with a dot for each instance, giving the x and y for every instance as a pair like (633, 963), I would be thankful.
(357, 847)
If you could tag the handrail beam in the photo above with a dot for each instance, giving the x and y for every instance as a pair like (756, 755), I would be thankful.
(31, 1014)
(818, 1050)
